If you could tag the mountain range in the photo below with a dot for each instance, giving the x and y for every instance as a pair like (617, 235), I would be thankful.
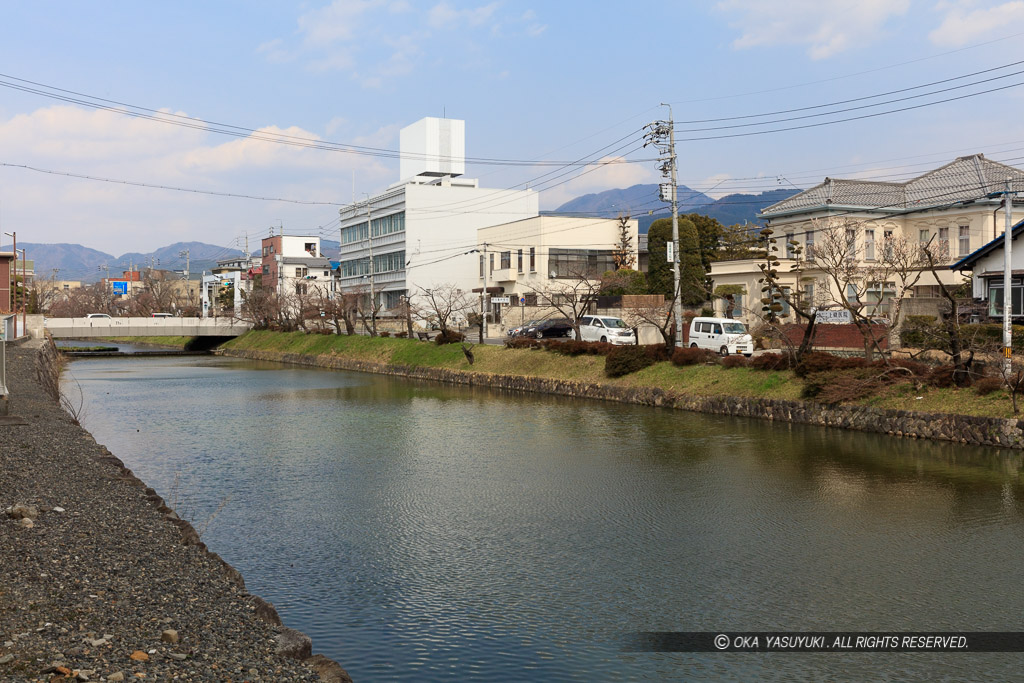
(75, 262)
(642, 202)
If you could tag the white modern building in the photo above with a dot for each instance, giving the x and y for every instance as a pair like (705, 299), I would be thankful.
(422, 231)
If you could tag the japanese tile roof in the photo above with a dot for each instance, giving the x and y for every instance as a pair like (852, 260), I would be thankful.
(966, 178)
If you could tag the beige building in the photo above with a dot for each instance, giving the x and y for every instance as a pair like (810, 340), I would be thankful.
(530, 257)
(952, 209)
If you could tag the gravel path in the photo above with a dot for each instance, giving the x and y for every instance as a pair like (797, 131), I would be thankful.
(99, 580)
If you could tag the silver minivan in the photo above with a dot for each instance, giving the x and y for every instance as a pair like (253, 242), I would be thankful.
(724, 335)
(606, 329)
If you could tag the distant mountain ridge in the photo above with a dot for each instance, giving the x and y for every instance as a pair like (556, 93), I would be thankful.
(75, 262)
(641, 202)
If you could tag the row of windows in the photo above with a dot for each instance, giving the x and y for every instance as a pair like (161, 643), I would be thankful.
(382, 263)
(941, 242)
(384, 225)
(571, 263)
(505, 260)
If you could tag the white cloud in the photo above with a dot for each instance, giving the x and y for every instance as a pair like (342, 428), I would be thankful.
(826, 28)
(715, 181)
(445, 15)
(376, 42)
(606, 175)
(963, 24)
(338, 22)
(117, 217)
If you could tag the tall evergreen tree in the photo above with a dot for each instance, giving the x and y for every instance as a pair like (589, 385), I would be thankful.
(692, 275)
(659, 270)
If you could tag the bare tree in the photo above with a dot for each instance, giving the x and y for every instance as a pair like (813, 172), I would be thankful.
(445, 305)
(571, 294)
(860, 281)
(658, 314)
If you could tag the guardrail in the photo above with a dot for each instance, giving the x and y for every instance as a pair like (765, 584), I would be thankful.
(145, 327)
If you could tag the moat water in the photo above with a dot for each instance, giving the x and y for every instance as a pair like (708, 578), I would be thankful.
(421, 532)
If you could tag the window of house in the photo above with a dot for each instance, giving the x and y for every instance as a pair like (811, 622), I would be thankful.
(533, 260)
(491, 270)
(310, 247)
(851, 244)
(877, 297)
(808, 295)
(481, 265)
(923, 236)
(809, 244)
(789, 245)
(531, 299)
(851, 293)
(965, 240)
(506, 259)
(266, 251)
(520, 255)
(995, 298)
(300, 288)
(944, 242)
(869, 245)
(887, 245)
(301, 272)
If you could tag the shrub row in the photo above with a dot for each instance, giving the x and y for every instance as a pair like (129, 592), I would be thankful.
(625, 360)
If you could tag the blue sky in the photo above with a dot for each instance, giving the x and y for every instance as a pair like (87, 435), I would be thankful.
(534, 81)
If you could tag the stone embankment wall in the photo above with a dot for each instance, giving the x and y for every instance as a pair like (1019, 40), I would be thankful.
(982, 431)
(102, 579)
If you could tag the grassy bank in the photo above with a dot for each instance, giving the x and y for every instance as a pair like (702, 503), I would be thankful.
(703, 380)
(175, 342)
(700, 380)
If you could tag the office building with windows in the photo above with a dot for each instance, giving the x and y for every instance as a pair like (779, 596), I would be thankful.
(422, 231)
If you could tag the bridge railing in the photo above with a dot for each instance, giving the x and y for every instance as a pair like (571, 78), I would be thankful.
(144, 327)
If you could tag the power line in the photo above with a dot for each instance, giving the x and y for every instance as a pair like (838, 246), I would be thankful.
(170, 118)
(852, 118)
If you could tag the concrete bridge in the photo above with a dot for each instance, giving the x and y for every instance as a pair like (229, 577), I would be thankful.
(78, 328)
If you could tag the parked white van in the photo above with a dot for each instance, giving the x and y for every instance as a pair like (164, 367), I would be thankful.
(724, 335)
(606, 329)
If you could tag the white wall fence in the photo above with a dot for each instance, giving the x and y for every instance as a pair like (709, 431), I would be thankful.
(145, 327)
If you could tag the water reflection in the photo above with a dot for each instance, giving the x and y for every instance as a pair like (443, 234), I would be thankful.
(420, 531)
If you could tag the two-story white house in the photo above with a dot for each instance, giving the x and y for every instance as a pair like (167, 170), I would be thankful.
(954, 209)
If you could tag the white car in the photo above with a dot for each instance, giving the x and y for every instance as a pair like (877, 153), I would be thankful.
(98, 315)
(602, 328)
(724, 335)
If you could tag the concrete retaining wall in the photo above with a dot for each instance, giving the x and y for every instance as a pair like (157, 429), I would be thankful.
(982, 431)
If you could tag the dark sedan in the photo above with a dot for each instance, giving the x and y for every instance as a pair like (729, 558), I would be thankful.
(555, 327)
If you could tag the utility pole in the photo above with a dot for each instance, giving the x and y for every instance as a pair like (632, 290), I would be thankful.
(373, 294)
(662, 135)
(1007, 281)
(483, 298)
(106, 283)
(185, 255)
